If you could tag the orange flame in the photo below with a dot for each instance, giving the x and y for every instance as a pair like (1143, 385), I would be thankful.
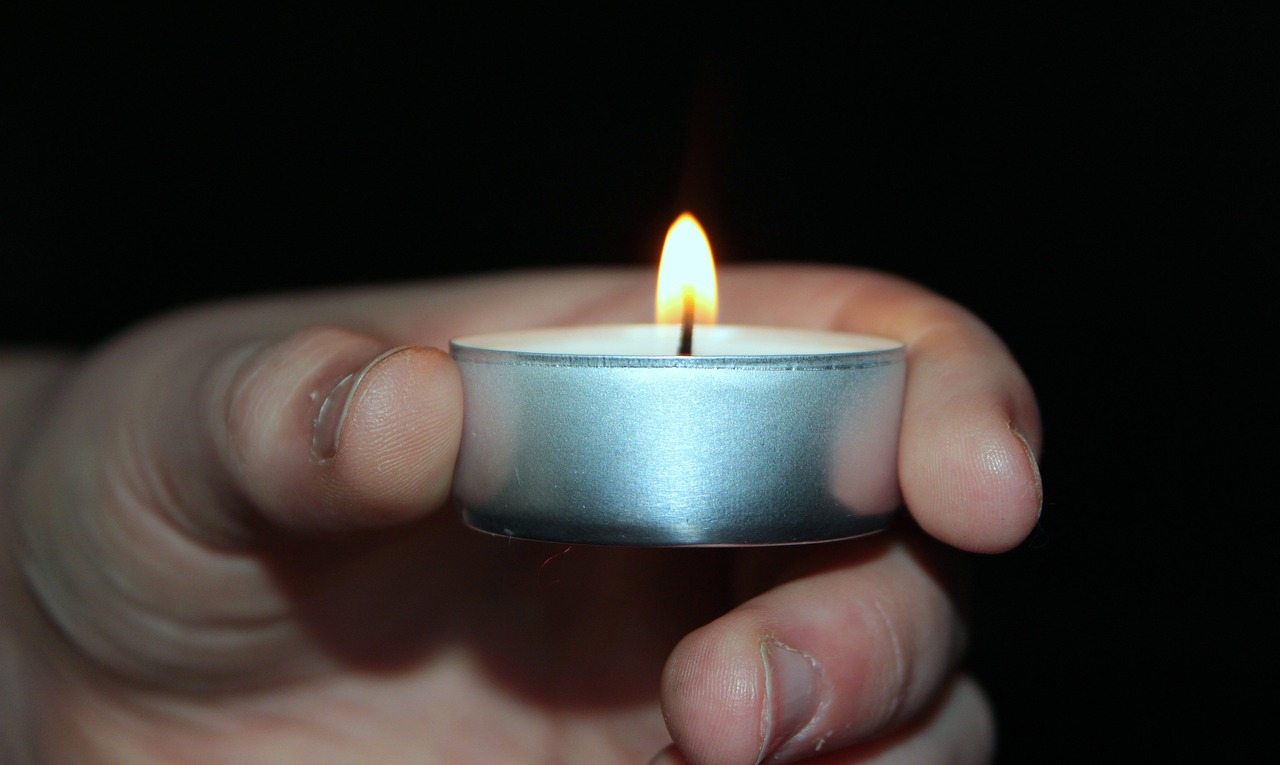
(686, 270)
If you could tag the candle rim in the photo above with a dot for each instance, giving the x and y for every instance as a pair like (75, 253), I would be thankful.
(492, 347)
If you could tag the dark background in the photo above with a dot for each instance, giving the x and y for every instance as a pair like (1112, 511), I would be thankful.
(1095, 185)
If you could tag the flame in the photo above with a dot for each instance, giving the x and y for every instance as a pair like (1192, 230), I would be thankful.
(686, 269)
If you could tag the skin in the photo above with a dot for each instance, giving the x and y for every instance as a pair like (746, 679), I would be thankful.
(192, 575)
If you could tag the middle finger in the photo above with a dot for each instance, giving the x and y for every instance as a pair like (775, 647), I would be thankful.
(855, 642)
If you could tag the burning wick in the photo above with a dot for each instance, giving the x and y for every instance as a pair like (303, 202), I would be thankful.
(686, 290)
(686, 325)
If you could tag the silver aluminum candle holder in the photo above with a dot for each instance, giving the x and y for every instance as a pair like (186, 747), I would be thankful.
(597, 435)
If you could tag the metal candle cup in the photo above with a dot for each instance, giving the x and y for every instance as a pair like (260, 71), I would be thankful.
(598, 435)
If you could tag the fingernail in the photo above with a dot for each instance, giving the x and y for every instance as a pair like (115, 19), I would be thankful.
(327, 433)
(792, 692)
(1035, 466)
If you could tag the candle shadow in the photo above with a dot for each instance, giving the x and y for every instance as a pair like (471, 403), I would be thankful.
(558, 626)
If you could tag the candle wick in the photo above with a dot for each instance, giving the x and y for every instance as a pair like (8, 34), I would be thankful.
(686, 324)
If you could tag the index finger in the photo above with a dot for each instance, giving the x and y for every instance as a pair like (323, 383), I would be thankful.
(970, 428)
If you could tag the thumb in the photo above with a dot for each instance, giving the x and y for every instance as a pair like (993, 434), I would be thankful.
(330, 429)
(189, 428)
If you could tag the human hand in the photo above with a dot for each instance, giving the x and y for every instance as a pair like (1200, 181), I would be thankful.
(218, 551)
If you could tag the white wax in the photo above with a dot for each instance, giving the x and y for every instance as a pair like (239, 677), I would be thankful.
(664, 339)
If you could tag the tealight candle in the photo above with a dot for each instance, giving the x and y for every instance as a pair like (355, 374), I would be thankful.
(680, 432)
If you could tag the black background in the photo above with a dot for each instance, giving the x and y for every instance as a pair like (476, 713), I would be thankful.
(1096, 185)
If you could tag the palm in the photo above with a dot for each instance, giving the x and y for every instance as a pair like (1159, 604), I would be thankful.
(435, 629)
